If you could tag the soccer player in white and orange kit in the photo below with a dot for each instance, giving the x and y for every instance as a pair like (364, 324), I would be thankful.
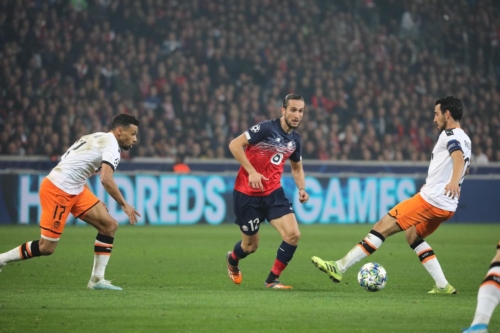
(488, 297)
(65, 191)
(422, 214)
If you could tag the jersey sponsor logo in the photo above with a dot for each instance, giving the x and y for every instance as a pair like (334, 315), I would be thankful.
(255, 128)
(277, 159)
(449, 132)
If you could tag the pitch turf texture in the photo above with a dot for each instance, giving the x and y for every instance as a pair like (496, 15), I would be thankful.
(175, 280)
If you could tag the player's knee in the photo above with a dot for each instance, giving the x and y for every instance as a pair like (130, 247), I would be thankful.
(380, 226)
(387, 226)
(292, 238)
(46, 250)
(46, 247)
(110, 226)
(411, 235)
(250, 247)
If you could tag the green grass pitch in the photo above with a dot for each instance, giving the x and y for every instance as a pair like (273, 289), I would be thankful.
(175, 280)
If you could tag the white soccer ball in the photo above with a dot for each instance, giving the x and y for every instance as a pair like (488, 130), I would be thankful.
(372, 276)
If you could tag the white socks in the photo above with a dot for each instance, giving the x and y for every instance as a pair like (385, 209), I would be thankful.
(12, 255)
(102, 251)
(362, 250)
(488, 296)
(430, 262)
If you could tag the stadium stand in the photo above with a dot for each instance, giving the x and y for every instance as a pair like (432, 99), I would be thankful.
(198, 73)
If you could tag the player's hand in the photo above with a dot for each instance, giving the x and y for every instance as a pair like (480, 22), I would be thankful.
(255, 181)
(131, 213)
(452, 190)
(303, 196)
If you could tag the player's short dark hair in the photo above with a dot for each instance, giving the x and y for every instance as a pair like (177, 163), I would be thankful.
(124, 120)
(453, 104)
(291, 96)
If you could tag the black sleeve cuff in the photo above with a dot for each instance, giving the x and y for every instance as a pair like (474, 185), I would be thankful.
(111, 165)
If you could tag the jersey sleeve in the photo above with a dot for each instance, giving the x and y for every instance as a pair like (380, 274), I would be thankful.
(111, 154)
(258, 132)
(297, 154)
(452, 142)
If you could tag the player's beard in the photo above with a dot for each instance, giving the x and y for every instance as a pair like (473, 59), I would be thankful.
(290, 125)
(125, 147)
(442, 128)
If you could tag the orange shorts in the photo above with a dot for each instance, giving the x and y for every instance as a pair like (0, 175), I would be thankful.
(56, 206)
(417, 212)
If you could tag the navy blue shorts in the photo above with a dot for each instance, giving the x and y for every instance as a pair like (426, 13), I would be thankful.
(250, 211)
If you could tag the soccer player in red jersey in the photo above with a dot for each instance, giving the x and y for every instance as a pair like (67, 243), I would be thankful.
(258, 194)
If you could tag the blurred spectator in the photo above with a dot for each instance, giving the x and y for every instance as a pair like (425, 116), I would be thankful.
(479, 158)
(179, 165)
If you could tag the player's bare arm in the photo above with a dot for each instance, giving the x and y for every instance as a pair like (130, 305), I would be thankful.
(452, 189)
(300, 180)
(110, 186)
(236, 146)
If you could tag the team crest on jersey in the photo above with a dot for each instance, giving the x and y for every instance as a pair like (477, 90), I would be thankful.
(291, 145)
(244, 227)
(255, 128)
(57, 224)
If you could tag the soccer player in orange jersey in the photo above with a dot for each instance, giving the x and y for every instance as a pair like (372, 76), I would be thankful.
(65, 191)
(488, 297)
(422, 214)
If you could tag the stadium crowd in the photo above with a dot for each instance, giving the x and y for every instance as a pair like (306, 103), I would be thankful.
(198, 73)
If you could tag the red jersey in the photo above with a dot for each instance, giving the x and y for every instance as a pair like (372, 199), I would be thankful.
(270, 146)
